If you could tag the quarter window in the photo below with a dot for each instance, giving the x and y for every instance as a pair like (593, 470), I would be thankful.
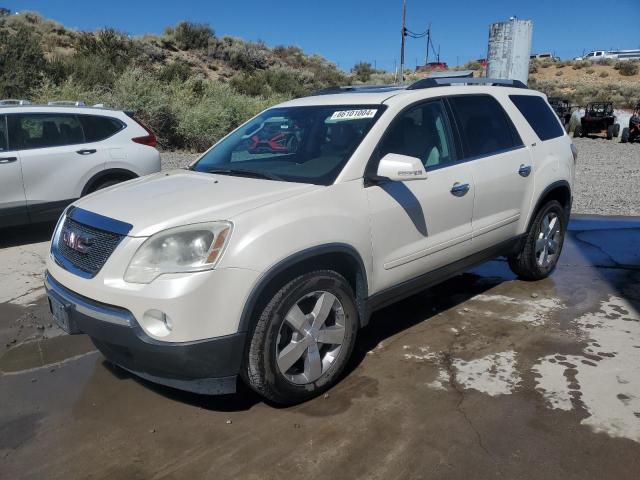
(422, 132)
(98, 128)
(539, 115)
(40, 130)
(485, 127)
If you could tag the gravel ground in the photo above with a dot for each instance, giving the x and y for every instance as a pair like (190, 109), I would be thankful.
(607, 176)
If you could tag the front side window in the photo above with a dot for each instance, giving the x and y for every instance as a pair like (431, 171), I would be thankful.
(294, 144)
(539, 115)
(422, 132)
(39, 130)
(485, 127)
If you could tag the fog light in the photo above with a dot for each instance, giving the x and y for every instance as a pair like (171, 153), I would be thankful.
(157, 323)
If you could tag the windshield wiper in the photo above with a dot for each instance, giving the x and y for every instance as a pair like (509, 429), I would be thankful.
(245, 173)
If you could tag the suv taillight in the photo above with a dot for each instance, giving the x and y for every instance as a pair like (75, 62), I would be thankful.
(149, 139)
(574, 151)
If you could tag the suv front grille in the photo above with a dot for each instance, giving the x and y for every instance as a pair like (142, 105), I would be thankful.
(84, 249)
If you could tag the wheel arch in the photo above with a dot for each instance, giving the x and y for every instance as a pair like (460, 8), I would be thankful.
(560, 191)
(102, 175)
(342, 258)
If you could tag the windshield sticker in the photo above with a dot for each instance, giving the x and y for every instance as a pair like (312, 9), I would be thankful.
(354, 114)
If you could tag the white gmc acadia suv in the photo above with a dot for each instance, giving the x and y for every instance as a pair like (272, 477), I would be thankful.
(266, 256)
(52, 154)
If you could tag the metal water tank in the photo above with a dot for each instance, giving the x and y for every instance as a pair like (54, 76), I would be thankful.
(509, 49)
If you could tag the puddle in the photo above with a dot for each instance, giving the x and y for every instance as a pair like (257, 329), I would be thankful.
(45, 353)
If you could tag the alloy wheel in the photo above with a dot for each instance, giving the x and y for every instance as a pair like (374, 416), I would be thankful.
(311, 337)
(548, 241)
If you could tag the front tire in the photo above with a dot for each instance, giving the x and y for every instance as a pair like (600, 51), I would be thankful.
(542, 246)
(625, 135)
(577, 132)
(303, 338)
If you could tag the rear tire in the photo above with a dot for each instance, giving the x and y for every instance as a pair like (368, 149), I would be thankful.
(625, 135)
(292, 356)
(542, 245)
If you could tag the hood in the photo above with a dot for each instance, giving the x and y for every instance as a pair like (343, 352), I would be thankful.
(180, 197)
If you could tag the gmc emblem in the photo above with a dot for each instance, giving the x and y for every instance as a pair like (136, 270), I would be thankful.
(76, 241)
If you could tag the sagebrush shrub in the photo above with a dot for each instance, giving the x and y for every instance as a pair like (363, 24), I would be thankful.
(627, 68)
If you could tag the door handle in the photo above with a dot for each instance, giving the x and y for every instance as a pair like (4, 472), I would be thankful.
(524, 170)
(87, 151)
(460, 189)
(8, 159)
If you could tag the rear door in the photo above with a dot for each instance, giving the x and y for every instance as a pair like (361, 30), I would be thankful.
(13, 206)
(500, 165)
(57, 161)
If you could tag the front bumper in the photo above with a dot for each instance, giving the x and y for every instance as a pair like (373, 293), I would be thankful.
(204, 366)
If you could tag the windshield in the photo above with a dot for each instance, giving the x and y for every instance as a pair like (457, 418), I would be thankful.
(294, 144)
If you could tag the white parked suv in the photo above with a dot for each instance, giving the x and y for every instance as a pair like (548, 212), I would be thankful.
(53, 154)
(264, 258)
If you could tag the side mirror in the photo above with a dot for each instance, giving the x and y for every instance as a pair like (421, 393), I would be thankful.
(399, 168)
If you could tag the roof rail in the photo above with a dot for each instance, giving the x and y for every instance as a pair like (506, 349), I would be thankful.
(67, 103)
(357, 88)
(13, 101)
(449, 81)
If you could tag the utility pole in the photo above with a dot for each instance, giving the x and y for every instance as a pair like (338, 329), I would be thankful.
(426, 59)
(404, 32)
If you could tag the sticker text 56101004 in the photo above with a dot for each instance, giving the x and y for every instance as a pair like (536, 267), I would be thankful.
(354, 114)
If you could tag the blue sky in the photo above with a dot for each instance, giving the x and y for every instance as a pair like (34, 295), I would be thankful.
(346, 31)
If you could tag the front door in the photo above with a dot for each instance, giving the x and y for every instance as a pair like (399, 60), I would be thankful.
(420, 225)
(13, 207)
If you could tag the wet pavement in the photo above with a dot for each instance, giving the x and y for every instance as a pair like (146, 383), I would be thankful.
(484, 376)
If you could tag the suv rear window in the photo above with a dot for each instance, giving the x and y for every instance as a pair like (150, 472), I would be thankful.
(98, 128)
(38, 130)
(485, 127)
(539, 115)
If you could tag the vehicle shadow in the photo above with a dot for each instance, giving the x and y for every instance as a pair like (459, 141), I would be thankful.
(23, 235)
(425, 305)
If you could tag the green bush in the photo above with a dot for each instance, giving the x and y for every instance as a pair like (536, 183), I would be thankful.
(190, 36)
(362, 71)
(22, 63)
(176, 70)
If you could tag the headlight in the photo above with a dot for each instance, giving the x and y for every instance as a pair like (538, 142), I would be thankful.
(191, 248)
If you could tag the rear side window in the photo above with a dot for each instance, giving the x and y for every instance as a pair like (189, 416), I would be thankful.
(539, 115)
(485, 127)
(3, 133)
(39, 130)
(98, 128)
